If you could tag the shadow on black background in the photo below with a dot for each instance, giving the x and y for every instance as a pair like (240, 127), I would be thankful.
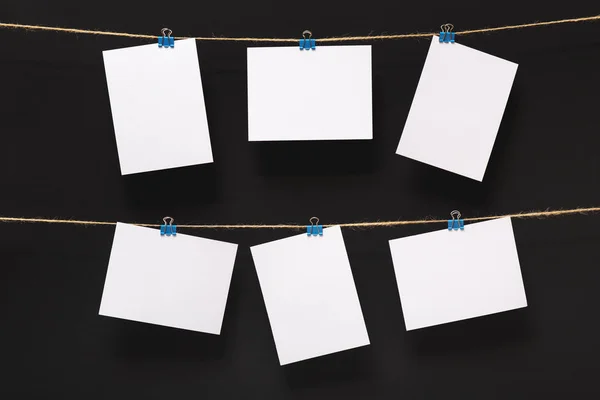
(146, 342)
(173, 188)
(345, 366)
(318, 158)
(471, 336)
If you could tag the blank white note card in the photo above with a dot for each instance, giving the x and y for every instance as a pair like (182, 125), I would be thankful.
(457, 109)
(447, 276)
(310, 295)
(322, 94)
(157, 107)
(178, 281)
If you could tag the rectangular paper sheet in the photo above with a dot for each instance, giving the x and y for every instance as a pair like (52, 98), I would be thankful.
(322, 94)
(157, 107)
(457, 109)
(178, 281)
(310, 295)
(447, 276)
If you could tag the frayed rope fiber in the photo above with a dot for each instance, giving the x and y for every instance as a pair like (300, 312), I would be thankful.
(295, 40)
(372, 224)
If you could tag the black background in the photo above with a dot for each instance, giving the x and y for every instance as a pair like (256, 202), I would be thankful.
(58, 159)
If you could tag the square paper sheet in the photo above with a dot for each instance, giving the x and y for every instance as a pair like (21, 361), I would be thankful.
(310, 295)
(322, 94)
(456, 112)
(448, 276)
(157, 107)
(180, 281)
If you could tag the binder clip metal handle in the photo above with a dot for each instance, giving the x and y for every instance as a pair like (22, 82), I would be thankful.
(307, 42)
(166, 40)
(456, 223)
(314, 229)
(168, 229)
(446, 34)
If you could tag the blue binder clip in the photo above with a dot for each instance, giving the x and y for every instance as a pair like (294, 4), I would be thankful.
(314, 229)
(168, 229)
(456, 223)
(307, 43)
(166, 40)
(446, 34)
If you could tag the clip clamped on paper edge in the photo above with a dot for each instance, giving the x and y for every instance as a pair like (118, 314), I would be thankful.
(446, 34)
(307, 42)
(456, 223)
(166, 40)
(168, 229)
(314, 229)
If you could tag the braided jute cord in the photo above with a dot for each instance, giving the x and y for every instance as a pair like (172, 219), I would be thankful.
(371, 224)
(295, 40)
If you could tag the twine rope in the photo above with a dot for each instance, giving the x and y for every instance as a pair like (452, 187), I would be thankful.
(295, 40)
(368, 224)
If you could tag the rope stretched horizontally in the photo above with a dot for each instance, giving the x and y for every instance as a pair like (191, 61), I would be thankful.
(371, 224)
(295, 40)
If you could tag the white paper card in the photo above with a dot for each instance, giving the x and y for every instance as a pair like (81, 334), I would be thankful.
(322, 94)
(456, 112)
(448, 276)
(178, 281)
(310, 295)
(157, 107)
